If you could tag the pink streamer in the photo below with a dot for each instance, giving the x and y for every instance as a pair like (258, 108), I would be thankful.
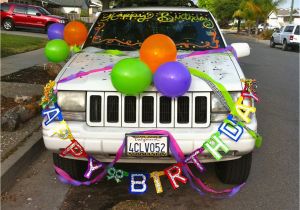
(84, 73)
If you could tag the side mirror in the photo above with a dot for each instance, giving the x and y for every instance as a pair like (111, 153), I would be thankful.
(38, 14)
(241, 49)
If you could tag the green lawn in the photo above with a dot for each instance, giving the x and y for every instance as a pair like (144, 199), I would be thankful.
(14, 44)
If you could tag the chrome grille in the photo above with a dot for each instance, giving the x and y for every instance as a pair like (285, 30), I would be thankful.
(148, 110)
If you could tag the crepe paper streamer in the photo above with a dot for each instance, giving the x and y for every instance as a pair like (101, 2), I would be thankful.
(157, 183)
(179, 157)
(193, 157)
(84, 73)
(93, 165)
(231, 129)
(246, 110)
(174, 174)
(213, 144)
(119, 174)
(63, 131)
(112, 52)
(52, 114)
(138, 183)
(75, 149)
(205, 52)
(220, 87)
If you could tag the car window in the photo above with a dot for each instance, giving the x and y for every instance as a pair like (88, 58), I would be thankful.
(32, 11)
(297, 31)
(127, 30)
(44, 11)
(20, 9)
(4, 7)
(289, 29)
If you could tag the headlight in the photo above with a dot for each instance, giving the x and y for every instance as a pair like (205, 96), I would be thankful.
(71, 100)
(217, 106)
(62, 21)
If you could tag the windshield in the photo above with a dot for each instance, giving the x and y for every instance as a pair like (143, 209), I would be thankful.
(44, 11)
(128, 30)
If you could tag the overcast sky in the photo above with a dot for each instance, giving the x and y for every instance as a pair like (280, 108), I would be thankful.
(287, 4)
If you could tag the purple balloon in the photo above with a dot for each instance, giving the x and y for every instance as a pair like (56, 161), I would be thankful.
(172, 79)
(56, 31)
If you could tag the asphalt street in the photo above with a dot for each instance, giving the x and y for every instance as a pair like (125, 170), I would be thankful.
(273, 182)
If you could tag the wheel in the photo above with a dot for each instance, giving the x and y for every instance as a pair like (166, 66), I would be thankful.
(47, 26)
(284, 46)
(8, 24)
(272, 43)
(75, 168)
(234, 171)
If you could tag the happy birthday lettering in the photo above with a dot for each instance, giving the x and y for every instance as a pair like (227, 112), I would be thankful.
(162, 17)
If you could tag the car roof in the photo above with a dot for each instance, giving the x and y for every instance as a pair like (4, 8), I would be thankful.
(126, 9)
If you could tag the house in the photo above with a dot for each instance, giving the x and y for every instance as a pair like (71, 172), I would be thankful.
(75, 6)
(281, 17)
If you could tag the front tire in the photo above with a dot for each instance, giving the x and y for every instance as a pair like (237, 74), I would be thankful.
(234, 171)
(272, 43)
(75, 168)
(8, 24)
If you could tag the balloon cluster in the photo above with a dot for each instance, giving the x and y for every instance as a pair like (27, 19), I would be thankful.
(158, 53)
(63, 39)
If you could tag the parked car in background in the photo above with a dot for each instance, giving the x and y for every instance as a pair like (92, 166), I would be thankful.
(23, 15)
(262, 27)
(287, 36)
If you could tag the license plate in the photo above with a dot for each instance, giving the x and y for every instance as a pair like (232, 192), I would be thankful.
(147, 145)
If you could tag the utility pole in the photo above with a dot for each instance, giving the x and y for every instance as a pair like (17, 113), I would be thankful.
(291, 12)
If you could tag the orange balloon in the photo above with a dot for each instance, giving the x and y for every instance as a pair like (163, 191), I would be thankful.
(75, 33)
(156, 50)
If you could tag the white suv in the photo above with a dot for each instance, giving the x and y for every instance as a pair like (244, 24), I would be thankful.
(100, 117)
(287, 36)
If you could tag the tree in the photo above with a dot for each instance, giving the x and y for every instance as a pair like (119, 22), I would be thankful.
(239, 15)
(223, 10)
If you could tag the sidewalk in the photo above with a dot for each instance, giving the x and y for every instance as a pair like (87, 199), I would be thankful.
(20, 61)
(26, 33)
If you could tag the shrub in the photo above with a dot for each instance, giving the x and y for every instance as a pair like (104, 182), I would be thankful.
(84, 13)
(266, 34)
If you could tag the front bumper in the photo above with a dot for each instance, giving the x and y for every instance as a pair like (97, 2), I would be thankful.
(103, 142)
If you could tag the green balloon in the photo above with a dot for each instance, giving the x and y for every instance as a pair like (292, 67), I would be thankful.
(131, 76)
(57, 50)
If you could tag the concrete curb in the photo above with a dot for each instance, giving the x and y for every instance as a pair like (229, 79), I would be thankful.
(20, 159)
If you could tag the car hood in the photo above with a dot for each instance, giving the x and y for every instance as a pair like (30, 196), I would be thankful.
(219, 66)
